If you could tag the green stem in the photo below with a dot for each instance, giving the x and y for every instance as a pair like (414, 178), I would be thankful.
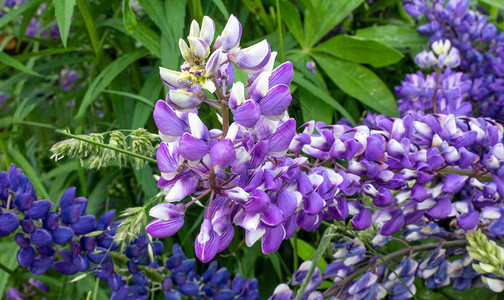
(399, 253)
(324, 243)
(279, 23)
(80, 138)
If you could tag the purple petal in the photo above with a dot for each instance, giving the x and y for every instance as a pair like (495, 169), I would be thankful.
(287, 202)
(192, 148)
(167, 121)
(442, 209)
(453, 183)
(394, 224)
(163, 228)
(468, 220)
(258, 201)
(184, 186)
(277, 101)
(247, 114)
(283, 74)
(207, 242)
(279, 142)
(253, 58)
(225, 231)
(223, 154)
(313, 203)
(272, 239)
(231, 34)
(362, 220)
(272, 216)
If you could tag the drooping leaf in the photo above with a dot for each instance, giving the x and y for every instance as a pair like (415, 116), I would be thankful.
(141, 33)
(64, 11)
(394, 36)
(360, 50)
(360, 83)
(324, 15)
(9, 61)
(129, 19)
(106, 76)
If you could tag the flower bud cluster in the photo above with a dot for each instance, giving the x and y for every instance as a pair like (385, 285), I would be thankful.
(489, 260)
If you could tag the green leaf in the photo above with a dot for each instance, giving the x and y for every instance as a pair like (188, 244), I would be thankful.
(129, 19)
(155, 10)
(8, 251)
(13, 14)
(142, 34)
(24, 164)
(360, 83)
(306, 252)
(150, 90)
(64, 11)
(360, 50)
(292, 19)
(141, 99)
(324, 15)
(322, 95)
(222, 7)
(106, 77)
(313, 108)
(394, 36)
(496, 3)
(9, 61)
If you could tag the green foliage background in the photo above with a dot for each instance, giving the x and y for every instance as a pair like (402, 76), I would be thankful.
(361, 52)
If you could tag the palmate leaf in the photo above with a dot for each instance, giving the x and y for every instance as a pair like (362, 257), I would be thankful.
(64, 11)
(360, 50)
(394, 36)
(360, 83)
(322, 15)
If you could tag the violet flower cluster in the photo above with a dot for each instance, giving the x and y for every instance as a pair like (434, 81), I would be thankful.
(394, 172)
(357, 273)
(479, 42)
(70, 241)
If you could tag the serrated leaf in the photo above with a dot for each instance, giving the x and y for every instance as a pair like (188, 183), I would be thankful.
(106, 77)
(360, 83)
(129, 19)
(64, 11)
(9, 61)
(360, 50)
(394, 36)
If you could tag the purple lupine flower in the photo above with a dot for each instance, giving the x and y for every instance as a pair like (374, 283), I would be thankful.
(168, 220)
